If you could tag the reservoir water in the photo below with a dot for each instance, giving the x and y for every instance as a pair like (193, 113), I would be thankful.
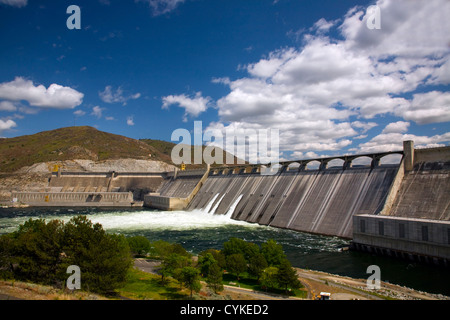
(199, 230)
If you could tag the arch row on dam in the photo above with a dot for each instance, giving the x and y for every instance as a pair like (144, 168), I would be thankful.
(302, 165)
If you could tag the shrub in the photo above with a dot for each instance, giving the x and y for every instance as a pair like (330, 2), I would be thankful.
(139, 245)
(236, 264)
(41, 252)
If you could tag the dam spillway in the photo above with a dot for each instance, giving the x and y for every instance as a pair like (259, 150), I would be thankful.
(313, 201)
(395, 209)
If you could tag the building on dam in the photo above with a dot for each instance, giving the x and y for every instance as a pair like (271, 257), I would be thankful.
(400, 210)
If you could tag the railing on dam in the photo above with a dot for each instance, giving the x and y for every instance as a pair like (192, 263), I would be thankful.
(74, 198)
(301, 165)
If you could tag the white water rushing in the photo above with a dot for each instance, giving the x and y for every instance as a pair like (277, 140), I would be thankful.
(144, 220)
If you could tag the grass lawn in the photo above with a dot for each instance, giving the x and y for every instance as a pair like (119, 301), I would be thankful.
(249, 282)
(143, 285)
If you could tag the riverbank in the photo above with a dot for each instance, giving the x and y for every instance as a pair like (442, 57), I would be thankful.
(341, 288)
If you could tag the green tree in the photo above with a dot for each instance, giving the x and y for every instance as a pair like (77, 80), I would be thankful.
(217, 255)
(215, 277)
(6, 256)
(190, 276)
(204, 262)
(104, 259)
(236, 264)
(41, 252)
(256, 265)
(139, 245)
(269, 277)
(36, 251)
(172, 263)
(287, 276)
(273, 252)
(162, 249)
(236, 245)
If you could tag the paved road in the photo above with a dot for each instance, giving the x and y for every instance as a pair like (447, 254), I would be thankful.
(147, 265)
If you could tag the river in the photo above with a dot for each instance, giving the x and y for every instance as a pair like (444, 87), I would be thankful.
(199, 230)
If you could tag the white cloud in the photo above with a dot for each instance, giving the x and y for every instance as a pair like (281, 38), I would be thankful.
(56, 96)
(396, 127)
(192, 106)
(322, 25)
(394, 141)
(160, 7)
(430, 107)
(15, 3)
(6, 125)
(310, 92)
(7, 106)
(130, 121)
(409, 28)
(110, 96)
(365, 126)
(97, 111)
(442, 75)
(79, 113)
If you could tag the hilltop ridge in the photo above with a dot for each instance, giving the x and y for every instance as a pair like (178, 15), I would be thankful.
(84, 142)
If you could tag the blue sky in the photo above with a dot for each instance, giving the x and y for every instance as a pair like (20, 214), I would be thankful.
(312, 69)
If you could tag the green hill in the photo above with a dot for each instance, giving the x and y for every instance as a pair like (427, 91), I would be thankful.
(72, 143)
(82, 142)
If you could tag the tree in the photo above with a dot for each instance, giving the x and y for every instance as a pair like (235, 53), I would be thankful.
(139, 245)
(236, 245)
(236, 264)
(36, 251)
(287, 276)
(172, 264)
(256, 265)
(104, 259)
(205, 261)
(190, 276)
(269, 277)
(217, 255)
(41, 252)
(273, 252)
(215, 277)
(6, 256)
(163, 249)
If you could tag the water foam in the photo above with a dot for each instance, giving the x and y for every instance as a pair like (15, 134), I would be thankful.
(209, 205)
(233, 207)
(164, 220)
(213, 211)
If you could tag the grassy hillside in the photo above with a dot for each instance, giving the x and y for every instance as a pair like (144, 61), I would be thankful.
(71, 143)
(165, 148)
(79, 143)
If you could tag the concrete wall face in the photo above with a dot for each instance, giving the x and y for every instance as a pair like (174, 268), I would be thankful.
(50, 199)
(312, 201)
(424, 193)
(137, 183)
(417, 236)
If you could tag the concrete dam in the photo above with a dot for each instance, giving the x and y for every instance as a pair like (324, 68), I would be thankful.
(316, 201)
(395, 209)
